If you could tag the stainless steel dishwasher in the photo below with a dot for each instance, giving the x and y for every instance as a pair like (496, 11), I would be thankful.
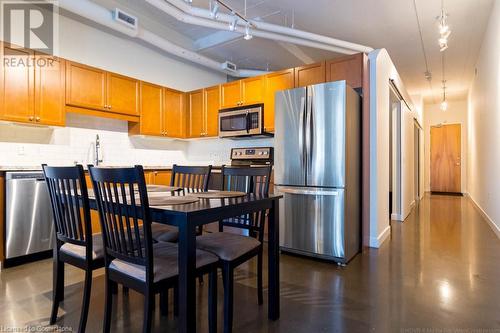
(29, 228)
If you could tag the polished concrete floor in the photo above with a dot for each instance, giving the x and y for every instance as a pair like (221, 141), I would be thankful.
(439, 272)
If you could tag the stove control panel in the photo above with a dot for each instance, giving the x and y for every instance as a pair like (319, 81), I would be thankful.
(260, 153)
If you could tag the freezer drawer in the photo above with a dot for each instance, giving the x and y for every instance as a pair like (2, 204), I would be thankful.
(312, 221)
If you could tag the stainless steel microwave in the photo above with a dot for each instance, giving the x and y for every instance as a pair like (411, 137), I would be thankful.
(242, 121)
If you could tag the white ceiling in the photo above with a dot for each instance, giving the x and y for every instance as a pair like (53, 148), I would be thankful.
(389, 24)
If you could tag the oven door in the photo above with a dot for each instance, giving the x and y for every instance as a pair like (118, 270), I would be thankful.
(240, 122)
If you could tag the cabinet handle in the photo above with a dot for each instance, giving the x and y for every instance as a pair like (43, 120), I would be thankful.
(37, 119)
(31, 118)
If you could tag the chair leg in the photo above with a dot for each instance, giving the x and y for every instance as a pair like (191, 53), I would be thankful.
(164, 303)
(108, 305)
(148, 311)
(86, 300)
(200, 280)
(125, 290)
(176, 301)
(228, 276)
(58, 288)
(259, 278)
(212, 302)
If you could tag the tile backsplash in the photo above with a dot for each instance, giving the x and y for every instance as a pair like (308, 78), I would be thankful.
(25, 145)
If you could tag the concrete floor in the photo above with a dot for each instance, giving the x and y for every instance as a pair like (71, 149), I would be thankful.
(439, 272)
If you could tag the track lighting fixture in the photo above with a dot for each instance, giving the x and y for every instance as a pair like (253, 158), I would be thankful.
(233, 23)
(214, 10)
(247, 36)
(444, 30)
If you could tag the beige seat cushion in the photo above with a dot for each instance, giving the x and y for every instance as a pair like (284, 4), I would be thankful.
(79, 250)
(225, 245)
(164, 263)
(164, 233)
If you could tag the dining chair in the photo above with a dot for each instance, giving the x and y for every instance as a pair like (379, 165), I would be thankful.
(132, 258)
(235, 249)
(75, 243)
(191, 179)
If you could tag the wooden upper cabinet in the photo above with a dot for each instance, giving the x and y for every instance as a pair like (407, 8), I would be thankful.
(122, 94)
(231, 94)
(85, 86)
(49, 92)
(275, 82)
(212, 107)
(151, 105)
(310, 74)
(17, 90)
(196, 114)
(348, 68)
(174, 118)
(252, 90)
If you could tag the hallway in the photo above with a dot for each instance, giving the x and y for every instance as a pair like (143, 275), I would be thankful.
(439, 270)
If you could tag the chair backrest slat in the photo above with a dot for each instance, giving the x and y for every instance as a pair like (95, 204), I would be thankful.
(253, 180)
(70, 205)
(124, 215)
(194, 178)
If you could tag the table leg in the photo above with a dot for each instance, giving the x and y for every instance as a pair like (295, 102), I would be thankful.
(187, 274)
(274, 263)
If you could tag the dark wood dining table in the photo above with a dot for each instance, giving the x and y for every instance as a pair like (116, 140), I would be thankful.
(187, 217)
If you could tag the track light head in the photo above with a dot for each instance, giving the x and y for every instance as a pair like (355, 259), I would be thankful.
(214, 11)
(233, 23)
(247, 36)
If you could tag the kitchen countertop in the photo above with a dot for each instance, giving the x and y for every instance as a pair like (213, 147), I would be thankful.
(146, 167)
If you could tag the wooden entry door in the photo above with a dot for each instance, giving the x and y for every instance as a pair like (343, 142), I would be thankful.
(446, 163)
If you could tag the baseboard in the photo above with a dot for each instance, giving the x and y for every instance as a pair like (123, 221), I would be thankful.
(492, 225)
(376, 242)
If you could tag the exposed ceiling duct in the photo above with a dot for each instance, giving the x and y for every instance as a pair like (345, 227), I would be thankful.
(103, 16)
(187, 13)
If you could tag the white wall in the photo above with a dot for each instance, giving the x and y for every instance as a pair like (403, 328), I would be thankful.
(382, 70)
(456, 114)
(484, 125)
(30, 146)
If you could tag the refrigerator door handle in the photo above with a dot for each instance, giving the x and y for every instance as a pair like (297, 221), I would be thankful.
(307, 132)
(301, 130)
(306, 191)
(310, 146)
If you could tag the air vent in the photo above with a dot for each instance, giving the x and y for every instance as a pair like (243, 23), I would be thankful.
(229, 67)
(125, 18)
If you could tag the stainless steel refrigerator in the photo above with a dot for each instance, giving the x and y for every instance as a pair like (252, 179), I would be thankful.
(318, 170)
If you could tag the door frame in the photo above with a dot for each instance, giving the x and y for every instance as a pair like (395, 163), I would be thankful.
(462, 153)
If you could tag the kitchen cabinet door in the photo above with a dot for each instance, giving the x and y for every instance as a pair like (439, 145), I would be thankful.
(275, 82)
(310, 74)
(17, 90)
(196, 114)
(174, 118)
(231, 94)
(85, 86)
(212, 106)
(151, 106)
(252, 90)
(122, 94)
(49, 92)
(161, 177)
(348, 68)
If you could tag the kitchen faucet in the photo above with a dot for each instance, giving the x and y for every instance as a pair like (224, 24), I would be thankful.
(97, 147)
